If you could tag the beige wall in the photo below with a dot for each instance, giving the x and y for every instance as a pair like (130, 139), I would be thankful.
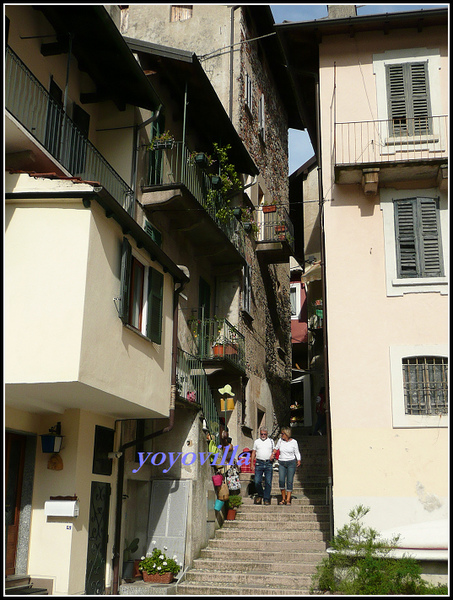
(401, 473)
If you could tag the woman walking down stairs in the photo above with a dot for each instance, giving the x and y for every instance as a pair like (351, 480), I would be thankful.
(269, 549)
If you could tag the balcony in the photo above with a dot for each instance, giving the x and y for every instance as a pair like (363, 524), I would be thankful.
(396, 150)
(275, 236)
(53, 133)
(219, 345)
(193, 386)
(178, 187)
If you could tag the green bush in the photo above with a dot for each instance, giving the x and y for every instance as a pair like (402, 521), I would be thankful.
(361, 564)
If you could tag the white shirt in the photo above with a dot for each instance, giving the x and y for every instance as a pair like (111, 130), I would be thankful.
(289, 450)
(263, 448)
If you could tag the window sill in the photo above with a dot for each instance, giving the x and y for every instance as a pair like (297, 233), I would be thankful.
(139, 333)
(417, 281)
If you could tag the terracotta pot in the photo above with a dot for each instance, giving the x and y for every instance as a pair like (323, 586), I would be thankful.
(231, 514)
(156, 578)
(218, 350)
(269, 208)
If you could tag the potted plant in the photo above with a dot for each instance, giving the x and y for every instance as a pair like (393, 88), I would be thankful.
(248, 221)
(158, 568)
(128, 564)
(234, 502)
(163, 141)
(268, 208)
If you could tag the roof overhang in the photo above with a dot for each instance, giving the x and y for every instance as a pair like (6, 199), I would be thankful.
(101, 51)
(205, 112)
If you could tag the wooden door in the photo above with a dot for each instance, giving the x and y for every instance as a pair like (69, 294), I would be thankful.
(14, 470)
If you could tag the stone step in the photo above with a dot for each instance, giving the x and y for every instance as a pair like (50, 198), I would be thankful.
(296, 500)
(282, 581)
(293, 513)
(305, 521)
(254, 527)
(254, 566)
(256, 545)
(214, 589)
(267, 535)
(267, 556)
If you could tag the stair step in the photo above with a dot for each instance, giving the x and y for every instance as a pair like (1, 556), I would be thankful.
(305, 521)
(265, 534)
(253, 566)
(271, 556)
(214, 589)
(234, 578)
(255, 545)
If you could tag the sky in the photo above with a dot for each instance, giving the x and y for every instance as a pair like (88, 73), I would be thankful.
(300, 148)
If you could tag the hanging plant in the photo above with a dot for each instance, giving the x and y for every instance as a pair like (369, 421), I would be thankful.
(162, 141)
(226, 187)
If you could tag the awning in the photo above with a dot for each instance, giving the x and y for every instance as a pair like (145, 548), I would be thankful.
(313, 273)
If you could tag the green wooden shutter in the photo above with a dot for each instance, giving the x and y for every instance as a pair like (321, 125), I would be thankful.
(126, 266)
(418, 247)
(408, 98)
(431, 255)
(155, 301)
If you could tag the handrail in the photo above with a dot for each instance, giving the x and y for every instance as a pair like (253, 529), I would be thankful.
(193, 385)
(31, 104)
(392, 140)
(275, 226)
(218, 339)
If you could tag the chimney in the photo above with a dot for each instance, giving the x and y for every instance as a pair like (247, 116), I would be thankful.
(341, 11)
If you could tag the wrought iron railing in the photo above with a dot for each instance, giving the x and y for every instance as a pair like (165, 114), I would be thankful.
(31, 104)
(388, 141)
(218, 339)
(193, 386)
(275, 226)
(175, 166)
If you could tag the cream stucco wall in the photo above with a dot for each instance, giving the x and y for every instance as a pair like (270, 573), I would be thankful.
(400, 473)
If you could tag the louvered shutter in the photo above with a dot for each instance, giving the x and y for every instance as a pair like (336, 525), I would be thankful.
(155, 300)
(431, 258)
(126, 265)
(418, 238)
(408, 98)
(406, 247)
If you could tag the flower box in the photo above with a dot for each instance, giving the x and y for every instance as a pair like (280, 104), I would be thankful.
(157, 578)
(201, 160)
(269, 208)
(216, 182)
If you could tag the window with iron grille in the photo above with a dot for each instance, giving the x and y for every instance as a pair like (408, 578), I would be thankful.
(425, 385)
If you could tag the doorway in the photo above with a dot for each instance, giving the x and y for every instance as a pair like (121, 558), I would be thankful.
(97, 538)
(14, 471)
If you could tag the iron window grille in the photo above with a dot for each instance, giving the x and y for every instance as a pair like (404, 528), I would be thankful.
(425, 382)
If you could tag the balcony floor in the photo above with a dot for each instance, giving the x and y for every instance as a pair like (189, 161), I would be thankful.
(423, 170)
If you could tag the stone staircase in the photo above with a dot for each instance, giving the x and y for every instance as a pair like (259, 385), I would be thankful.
(21, 585)
(269, 550)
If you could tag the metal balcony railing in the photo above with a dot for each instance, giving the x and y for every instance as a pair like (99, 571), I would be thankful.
(394, 140)
(173, 166)
(275, 226)
(30, 104)
(217, 339)
(193, 386)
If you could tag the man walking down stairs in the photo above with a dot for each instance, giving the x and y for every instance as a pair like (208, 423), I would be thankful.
(270, 550)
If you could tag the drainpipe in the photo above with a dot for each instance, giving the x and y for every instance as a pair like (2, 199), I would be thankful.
(329, 496)
(230, 108)
(123, 447)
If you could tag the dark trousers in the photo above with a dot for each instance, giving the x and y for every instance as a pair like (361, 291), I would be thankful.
(263, 467)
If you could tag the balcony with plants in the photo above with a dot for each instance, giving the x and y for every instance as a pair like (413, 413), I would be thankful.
(31, 107)
(198, 190)
(275, 234)
(218, 344)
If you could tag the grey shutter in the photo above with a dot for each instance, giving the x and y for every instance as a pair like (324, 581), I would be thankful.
(408, 98)
(418, 244)
(431, 256)
(155, 300)
(126, 265)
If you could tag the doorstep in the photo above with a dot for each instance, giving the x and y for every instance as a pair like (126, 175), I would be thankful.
(140, 588)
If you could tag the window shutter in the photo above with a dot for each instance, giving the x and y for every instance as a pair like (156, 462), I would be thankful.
(155, 301)
(126, 266)
(406, 250)
(408, 98)
(430, 239)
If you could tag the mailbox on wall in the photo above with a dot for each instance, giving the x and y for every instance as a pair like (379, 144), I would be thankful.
(61, 508)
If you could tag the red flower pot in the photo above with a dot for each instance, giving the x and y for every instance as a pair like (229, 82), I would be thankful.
(156, 578)
(269, 208)
(231, 514)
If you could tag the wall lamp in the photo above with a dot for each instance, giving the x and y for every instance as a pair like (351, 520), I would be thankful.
(51, 442)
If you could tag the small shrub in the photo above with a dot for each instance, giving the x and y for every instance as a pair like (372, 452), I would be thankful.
(361, 564)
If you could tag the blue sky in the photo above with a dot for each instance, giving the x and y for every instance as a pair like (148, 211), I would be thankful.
(300, 149)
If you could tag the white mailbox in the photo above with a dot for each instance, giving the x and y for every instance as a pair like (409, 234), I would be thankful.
(61, 508)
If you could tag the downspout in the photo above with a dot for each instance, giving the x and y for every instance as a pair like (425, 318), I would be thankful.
(329, 495)
(123, 447)
(230, 108)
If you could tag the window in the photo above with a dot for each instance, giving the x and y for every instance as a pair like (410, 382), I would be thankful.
(419, 379)
(294, 291)
(425, 385)
(408, 98)
(181, 12)
(418, 245)
(141, 295)
(247, 289)
(248, 92)
(415, 240)
(261, 118)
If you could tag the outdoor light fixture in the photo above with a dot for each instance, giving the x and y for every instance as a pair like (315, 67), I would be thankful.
(51, 442)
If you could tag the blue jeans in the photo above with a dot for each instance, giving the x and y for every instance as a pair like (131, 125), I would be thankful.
(286, 471)
(263, 467)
